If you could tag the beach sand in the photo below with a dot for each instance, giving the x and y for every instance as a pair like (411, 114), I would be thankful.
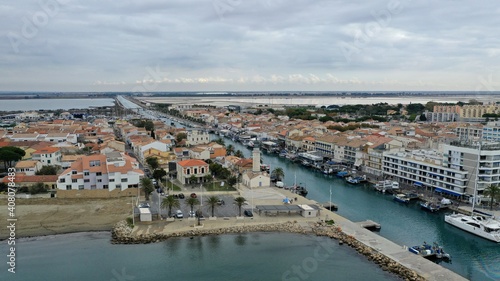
(48, 216)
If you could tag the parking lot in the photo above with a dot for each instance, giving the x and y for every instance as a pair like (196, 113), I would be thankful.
(227, 209)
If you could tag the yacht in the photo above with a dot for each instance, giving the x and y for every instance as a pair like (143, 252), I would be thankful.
(480, 224)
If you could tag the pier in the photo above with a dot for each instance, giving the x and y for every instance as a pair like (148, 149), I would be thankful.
(369, 224)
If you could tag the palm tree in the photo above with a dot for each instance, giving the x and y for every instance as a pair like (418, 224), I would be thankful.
(169, 202)
(212, 203)
(239, 201)
(192, 201)
(239, 154)
(147, 186)
(229, 149)
(278, 173)
(493, 191)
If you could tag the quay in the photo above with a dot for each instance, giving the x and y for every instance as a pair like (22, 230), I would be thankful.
(369, 224)
(396, 254)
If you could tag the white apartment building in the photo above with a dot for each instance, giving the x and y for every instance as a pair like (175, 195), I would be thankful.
(425, 168)
(48, 156)
(101, 171)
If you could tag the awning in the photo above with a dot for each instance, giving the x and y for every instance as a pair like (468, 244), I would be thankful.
(448, 191)
(417, 183)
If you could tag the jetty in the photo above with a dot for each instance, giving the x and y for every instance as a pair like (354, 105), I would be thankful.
(369, 224)
(387, 254)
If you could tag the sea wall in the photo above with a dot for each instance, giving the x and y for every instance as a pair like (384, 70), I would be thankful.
(122, 234)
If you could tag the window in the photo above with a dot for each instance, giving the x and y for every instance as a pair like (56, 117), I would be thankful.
(124, 180)
(99, 180)
(86, 173)
(73, 172)
(74, 180)
(63, 180)
(68, 187)
(98, 174)
(48, 161)
(80, 187)
(94, 163)
(105, 186)
(86, 180)
(111, 180)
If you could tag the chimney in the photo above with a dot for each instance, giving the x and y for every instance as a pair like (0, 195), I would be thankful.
(256, 160)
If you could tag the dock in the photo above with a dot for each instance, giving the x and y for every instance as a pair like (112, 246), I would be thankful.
(330, 206)
(369, 224)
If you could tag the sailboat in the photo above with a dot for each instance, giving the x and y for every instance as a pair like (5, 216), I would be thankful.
(476, 223)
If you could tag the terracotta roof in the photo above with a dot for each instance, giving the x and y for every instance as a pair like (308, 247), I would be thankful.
(192, 163)
(22, 178)
(26, 164)
(46, 150)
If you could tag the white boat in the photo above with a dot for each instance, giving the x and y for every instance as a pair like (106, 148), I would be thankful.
(479, 224)
(482, 226)
(386, 185)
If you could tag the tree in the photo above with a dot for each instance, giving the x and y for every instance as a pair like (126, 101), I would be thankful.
(239, 201)
(193, 179)
(212, 203)
(9, 154)
(180, 137)
(278, 173)
(149, 126)
(153, 134)
(169, 202)
(423, 117)
(208, 179)
(232, 180)
(238, 153)
(192, 201)
(153, 162)
(39, 187)
(229, 149)
(147, 187)
(493, 191)
(220, 141)
(159, 174)
(47, 170)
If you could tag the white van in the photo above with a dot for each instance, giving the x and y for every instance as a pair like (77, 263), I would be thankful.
(280, 184)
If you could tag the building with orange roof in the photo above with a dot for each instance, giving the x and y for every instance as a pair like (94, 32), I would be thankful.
(21, 179)
(28, 167)
(192, 170)
(48, 156)
(109, 171)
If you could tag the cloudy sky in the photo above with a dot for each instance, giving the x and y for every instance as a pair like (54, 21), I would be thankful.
(249, 45)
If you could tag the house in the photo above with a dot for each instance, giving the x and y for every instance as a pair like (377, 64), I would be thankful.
(186, 169)
(48, 156)
(196, 137)
(252, 179)
(101, 171)
(201, 153)
(28, 167)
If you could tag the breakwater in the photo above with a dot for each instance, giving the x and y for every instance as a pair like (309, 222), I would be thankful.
(122, 234)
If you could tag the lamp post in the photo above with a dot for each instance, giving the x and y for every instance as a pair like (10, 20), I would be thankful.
(133, 211)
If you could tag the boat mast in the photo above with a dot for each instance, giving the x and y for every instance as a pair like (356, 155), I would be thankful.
(477, 178)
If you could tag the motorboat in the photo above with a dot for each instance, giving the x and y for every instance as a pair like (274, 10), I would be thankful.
(355, 180)
(386, 185)
(428, 251)
(401, 198)
(429, 206)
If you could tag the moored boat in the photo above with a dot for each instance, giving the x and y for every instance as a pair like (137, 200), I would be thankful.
(401, 198)
(428, 251)
(429, 206)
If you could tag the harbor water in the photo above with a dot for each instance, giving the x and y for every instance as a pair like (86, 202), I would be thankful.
(245, 257)
(472, 257)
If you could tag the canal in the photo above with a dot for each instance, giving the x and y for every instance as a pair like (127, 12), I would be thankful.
(472, 257)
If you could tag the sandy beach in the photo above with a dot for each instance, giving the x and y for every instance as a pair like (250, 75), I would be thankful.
(48, 216)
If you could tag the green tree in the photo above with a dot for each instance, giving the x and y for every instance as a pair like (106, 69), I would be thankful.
(212, 203)
(193, 179)
(232, 180)
(39, 187)
(423, 117)
(239, 154)
(493, 191)
(180, 137)
(208, 179)
(278, 173)
(48, 170)
(159, 174)
(152, 162)
(149, 126)
(9, 154)
(229, 149)
(147, 187)
(220, 141)
(170, 202)
(192, 201)
(239, 201)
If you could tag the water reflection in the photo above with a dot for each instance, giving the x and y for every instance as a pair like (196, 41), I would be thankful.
(240, 239)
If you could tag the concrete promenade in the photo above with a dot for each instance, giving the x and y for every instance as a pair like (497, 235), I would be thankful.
(274, 196)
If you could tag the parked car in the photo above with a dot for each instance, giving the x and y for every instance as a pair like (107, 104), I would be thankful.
(248, 213)
(179, 214)
(144, 205)
(192, 214)
(193, 195)
(181, 196)
(200, 216)
(280, 184)
(220, 202)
